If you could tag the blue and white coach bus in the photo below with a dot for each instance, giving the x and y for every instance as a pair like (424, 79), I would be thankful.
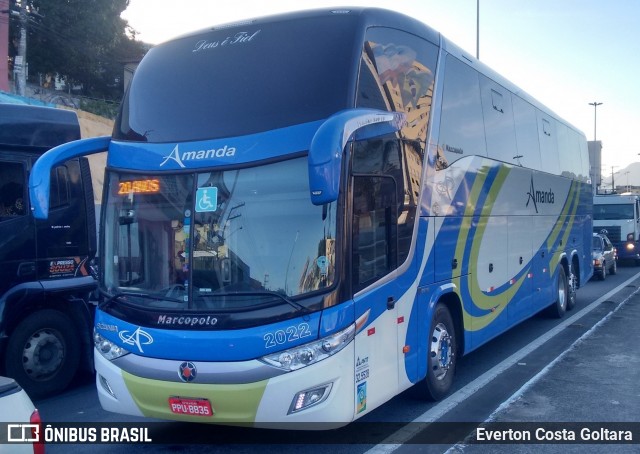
(306, 214)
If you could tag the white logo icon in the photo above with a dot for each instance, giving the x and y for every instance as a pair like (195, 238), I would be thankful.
(23, 433)
(138, 338)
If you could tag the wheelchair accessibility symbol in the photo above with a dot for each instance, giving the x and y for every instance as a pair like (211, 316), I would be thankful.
(206, 200)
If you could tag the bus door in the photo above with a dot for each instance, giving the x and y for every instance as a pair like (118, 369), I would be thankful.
(374, 259)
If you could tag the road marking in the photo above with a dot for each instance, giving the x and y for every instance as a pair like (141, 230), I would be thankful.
(443, 407)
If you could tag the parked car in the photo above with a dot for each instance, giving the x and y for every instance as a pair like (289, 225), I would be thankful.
(24, 421)
(604, 256)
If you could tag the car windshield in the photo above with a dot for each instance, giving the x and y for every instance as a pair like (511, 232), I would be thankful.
(217, 240)
(612, 212)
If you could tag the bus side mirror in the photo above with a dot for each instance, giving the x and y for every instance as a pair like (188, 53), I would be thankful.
(327, 146)
(40, 177)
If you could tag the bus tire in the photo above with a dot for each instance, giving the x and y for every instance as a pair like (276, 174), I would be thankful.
(42, 353)
(441, 355)
(558, 309)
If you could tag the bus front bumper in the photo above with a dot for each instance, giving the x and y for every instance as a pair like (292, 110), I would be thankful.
(265, 403)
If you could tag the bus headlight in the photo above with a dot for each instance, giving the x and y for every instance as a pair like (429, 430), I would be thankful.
(311, 353)
(107, 348)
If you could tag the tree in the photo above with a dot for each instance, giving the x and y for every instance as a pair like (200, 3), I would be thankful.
(85, 41)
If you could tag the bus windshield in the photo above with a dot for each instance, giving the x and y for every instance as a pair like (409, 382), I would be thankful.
(612, 212)
(241, 80)
(229, 239)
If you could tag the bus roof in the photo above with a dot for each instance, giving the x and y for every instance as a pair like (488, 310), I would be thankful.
(36, 127)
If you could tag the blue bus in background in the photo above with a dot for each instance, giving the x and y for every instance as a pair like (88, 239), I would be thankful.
(306, 214)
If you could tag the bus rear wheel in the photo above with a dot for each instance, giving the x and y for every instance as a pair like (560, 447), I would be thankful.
(441, 355)
(572, 288)
(558, 309)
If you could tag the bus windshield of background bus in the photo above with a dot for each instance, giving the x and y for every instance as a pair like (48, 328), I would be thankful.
(246, 232)
(612, 212)
(241, 80)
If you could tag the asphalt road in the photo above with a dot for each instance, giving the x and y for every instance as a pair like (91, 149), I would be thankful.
(486, 383)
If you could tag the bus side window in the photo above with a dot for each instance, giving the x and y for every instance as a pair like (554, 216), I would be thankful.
(528, 143)
(498, 122)
(12, 202)
(568, 152)
(548, 144)
(461, 124)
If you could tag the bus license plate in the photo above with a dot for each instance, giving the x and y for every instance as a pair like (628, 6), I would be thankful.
(190, 406)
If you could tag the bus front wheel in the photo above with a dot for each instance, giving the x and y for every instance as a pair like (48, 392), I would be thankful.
(441, 354)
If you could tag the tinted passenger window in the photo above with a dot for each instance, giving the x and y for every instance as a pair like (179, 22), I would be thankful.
(397, 74)
(584, 154)
(548, 144)
(12, 197)
(524, 115)
(580, 163)
(461, 126)
(498, 122)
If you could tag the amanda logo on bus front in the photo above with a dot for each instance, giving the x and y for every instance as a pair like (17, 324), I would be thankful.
(238, 38)
(197, 155)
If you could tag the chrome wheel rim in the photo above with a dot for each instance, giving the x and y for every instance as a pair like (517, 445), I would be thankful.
(562, 290)
(441, 352)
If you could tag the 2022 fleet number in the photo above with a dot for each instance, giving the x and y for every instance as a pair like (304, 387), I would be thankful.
(289, 334)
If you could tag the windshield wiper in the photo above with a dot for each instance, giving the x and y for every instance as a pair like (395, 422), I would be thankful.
(109, 297)
(297, 306)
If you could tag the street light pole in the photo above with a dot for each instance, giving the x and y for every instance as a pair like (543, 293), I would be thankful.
(595, 116)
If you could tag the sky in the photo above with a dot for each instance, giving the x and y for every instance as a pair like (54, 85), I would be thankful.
(565, 53)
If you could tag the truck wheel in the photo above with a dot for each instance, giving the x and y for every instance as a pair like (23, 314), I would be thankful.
(441, 355)
(558, 309)
(42, 353)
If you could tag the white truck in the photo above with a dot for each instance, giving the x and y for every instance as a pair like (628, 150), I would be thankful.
(619, 215)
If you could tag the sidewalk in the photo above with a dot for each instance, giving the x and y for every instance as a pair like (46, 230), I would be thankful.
(595, 381)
